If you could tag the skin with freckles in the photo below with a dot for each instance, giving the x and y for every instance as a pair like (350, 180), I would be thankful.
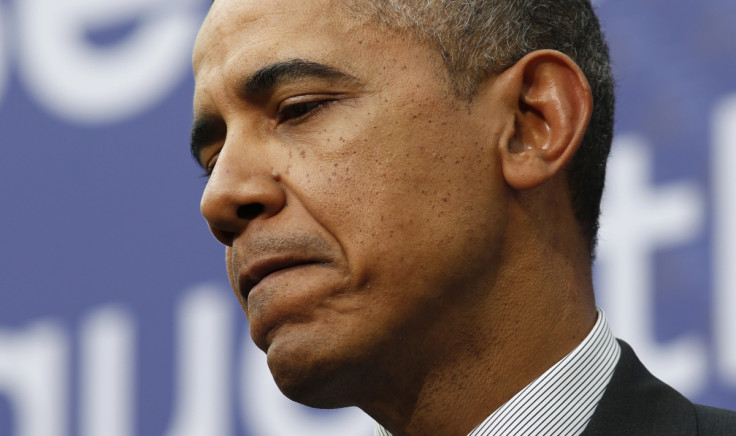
(393, 247)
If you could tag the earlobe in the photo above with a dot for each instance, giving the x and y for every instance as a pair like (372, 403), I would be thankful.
(552, 111)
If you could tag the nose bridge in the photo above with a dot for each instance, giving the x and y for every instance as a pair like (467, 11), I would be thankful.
(243, 187)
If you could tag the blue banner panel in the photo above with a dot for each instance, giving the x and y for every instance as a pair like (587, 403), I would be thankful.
(116, 317)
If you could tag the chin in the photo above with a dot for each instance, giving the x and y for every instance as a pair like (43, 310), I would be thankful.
(314, 374)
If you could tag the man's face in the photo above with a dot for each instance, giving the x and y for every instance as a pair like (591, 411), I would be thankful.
(361, 203)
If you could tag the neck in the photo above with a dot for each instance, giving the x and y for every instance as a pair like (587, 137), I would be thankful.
(527, 323)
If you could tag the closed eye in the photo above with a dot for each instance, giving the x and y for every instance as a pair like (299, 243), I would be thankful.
(209, 167)
(299, 110)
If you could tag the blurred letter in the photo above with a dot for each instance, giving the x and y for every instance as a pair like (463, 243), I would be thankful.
(636, 221)
(4, 63)
(33, 373)
(80, 81)
(205, 331)
(107, 377)
(724, 196)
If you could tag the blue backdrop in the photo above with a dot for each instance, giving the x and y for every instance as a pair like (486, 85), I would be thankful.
(116, 318)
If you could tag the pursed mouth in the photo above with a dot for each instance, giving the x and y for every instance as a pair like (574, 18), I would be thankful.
(258, 271)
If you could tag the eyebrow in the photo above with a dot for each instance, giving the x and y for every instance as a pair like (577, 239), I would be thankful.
(269, 77)
(208, 129)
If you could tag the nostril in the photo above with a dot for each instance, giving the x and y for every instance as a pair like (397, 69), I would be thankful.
(250, 211)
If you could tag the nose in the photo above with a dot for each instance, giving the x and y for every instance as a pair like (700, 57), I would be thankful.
(236, 195)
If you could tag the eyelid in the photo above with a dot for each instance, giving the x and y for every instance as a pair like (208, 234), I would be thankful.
(301, 105)
(321, 99)
(210, 163)
(306, 98)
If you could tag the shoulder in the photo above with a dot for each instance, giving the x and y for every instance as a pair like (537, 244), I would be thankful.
(636, 403)
(713, 421)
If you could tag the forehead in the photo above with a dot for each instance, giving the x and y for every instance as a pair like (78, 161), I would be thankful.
(241, 33)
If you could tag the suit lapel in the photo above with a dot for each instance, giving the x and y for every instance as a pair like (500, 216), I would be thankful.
(638, 404)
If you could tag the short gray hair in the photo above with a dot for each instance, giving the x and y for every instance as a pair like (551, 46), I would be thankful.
(481, 38)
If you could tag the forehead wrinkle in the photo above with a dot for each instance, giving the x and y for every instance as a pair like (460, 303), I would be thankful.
(229, 47)
(224, 20)
(236, 18)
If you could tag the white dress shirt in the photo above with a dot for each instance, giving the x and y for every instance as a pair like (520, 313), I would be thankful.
(561, 401)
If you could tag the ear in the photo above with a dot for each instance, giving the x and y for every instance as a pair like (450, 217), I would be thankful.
(553, 103)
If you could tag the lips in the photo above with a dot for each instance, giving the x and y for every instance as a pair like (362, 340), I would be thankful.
(258, 270)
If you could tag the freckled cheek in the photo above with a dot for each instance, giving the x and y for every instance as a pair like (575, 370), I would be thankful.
(379, 179)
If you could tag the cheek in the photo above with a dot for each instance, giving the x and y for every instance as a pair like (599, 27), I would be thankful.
(229, 266)
(231, 277)
(407, 205)
(400, 189)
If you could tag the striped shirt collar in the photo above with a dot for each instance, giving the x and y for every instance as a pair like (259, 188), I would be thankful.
(562, 400)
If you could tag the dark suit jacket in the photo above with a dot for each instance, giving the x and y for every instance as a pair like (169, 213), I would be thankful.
(638, 404)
